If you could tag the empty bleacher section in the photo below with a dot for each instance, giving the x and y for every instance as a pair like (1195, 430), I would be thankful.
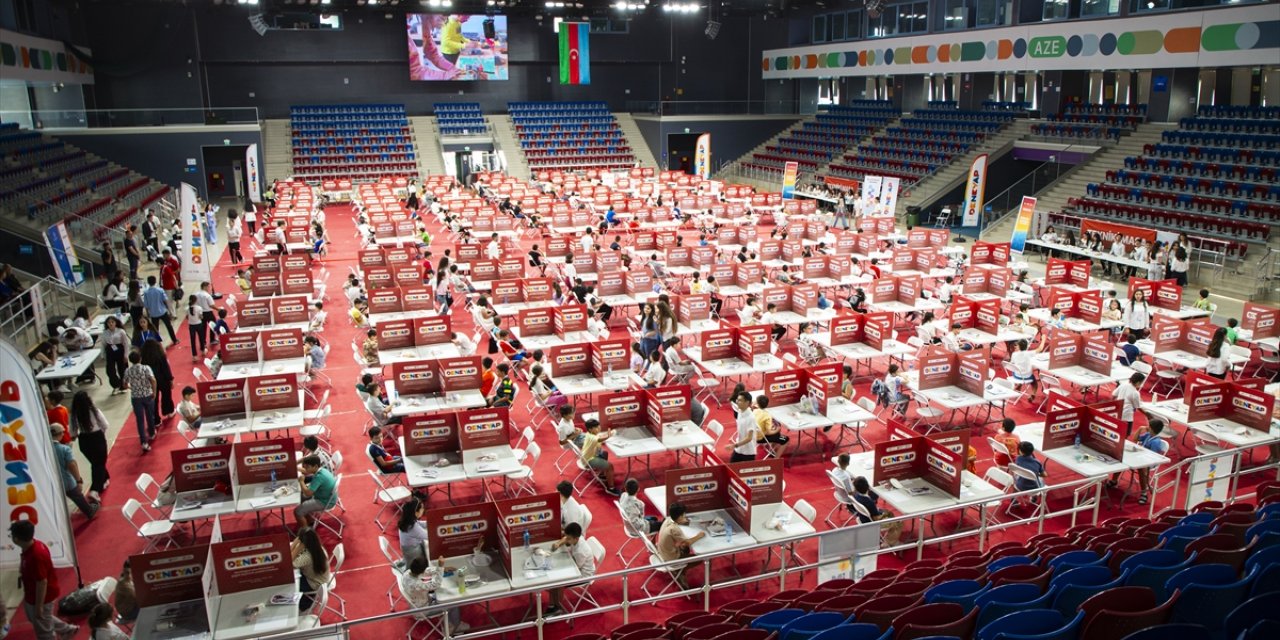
(817, 142)
(44, 180)
(460, 119)
(569, 135)
(358, 141)
(922, 143)
(1082, 122)
(1211, 573)
(1214, 177)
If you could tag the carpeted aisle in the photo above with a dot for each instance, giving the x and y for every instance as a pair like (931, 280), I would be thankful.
(104, 543)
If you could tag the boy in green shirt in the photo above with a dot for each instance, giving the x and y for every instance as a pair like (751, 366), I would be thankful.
(319, 490)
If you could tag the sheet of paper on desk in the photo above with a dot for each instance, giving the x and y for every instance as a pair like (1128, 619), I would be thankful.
(487, 468)
(919, 491)
(429, 473)
(285, 598)
(187, 505)
(261, 502)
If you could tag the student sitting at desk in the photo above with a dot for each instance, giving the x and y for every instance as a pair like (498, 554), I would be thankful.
(385, 462)
(1056, 319)
(1027, 460)
(945, 289)
(595, 457)
(312, 562)
(633, 509)
(673, 544)
(464, 344)
(777, 330)
(674, 363)
(311, 447)
(892, 390)
(769, 432)
(504, 388)
(315, 355)
(359, 314)
(412, 530)
(1202, 303)
(580, 551)
(188, 409)
(319, 489)
(318, 316)
(570, 510)
(369, 348)
(1020, 368)
(712, 288)
(654, 372)
(418, 590)
(874, 268)
(511, 347)
(863, 495)
(543, 389)
(951, 340)
(1129, 351)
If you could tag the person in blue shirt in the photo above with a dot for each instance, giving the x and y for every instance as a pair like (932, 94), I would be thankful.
(863, 495)
(1027, 460)
(315, 354)
(1129, 352)
(610, 217)
(156, 304)
(1149, 438)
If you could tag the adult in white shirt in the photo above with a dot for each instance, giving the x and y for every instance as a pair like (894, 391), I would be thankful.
(1139, 255)
(1127, 392)
(588, 241)
(672, 360)
(945, 289)
(464, 343)
(493, 250)
(583, 556)
(281, 238)
(749, 313)
(570, 511)
(841, 473)
(633, 509)
(744, 445)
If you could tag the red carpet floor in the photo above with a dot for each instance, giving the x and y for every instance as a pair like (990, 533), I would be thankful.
(104, 543)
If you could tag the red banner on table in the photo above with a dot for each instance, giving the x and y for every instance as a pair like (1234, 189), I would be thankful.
(199, 468)
(254, 313)
(252, 563)
(290, 310)
(609, 355)
(266, 263)
(1165, 294)
(1166, 333)
(536, 289)
(480, 428)
(378, 277)
(622, 409)
(456, 531)
(269, 393)
(992, 253)
(1072, 272)
(718, 344)
(692, 308)
(639, 282)
(469, 253)
(698, 489)
(785, 387)
(534, 322)
(426, 434)
(558, 246)
(885, 290)
(234, 348)
(748, 273)
(942, 466)
(937, 368)
(1097, 352)
(903, 260)
(385, 300)
(538, 515)
(763, 477)
(568, 319)
(484, 270)
(260, 461)
(296, 282)
(897, 459)
(265, 284)
(611, 283)
(395, 334)
(753, 341)
(505, 291)
(459, 374)
(723, 274)
(170, 576)
(770, 250)
(1261, 320)
(821, 384)
(847, 329)
(925, 260)
(221, 398)
(664, 405)
(909, 288)
(877, 329)
(803, 298)
(1208, 399)
(417, 298)
(416, 378)
(278, 344)
(513, 268)
(815, 267)
(571, 360)
(738, 500)
(294, 261)
(431, 330)
(792, 250)
(678, 257)
(972, 370)
(399, 255)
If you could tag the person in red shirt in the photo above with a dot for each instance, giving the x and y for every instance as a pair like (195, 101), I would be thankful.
(57, 413)
(171, 276)
(486, 376)
(39, 584)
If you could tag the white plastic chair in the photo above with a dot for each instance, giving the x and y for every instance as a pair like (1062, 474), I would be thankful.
(189, 435)
(398, 567)
(522, 479)
(581, 593)
(153, 530)
(321, 518)
(388, 497)
(632, 534)
(151, 490)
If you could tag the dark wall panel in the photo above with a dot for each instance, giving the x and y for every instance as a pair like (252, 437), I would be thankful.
(162, 155)
(729, 138)
(143, 62)
(1184, 89)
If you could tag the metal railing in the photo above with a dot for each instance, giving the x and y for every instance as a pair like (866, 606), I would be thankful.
(24, 319)
(1086, 498)
(1047, 175)
(1217, 483)
(102, 118)
(722, 107)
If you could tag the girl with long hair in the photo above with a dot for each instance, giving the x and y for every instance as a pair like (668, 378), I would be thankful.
(312, 563)
(89, 427)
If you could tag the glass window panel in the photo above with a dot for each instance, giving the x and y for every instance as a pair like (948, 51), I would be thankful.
(835, 24)
(819, 28)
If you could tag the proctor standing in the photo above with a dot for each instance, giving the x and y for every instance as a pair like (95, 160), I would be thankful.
(39, 584)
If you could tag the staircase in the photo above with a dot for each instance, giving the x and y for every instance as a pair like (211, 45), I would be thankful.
(277, 142)
(639, 148)
(1093, 170)
(925, 192)
(505, 140)
(426, 143)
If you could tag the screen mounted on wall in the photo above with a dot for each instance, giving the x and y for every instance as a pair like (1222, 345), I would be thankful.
(457, 47)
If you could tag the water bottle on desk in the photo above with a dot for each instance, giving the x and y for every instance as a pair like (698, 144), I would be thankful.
(728, 532)
(1077, 444)
(526, 541)
(274, 484)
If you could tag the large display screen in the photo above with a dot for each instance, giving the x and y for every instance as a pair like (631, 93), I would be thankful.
(457, 47)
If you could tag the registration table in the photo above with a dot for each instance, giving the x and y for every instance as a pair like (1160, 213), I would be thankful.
(69, 366)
